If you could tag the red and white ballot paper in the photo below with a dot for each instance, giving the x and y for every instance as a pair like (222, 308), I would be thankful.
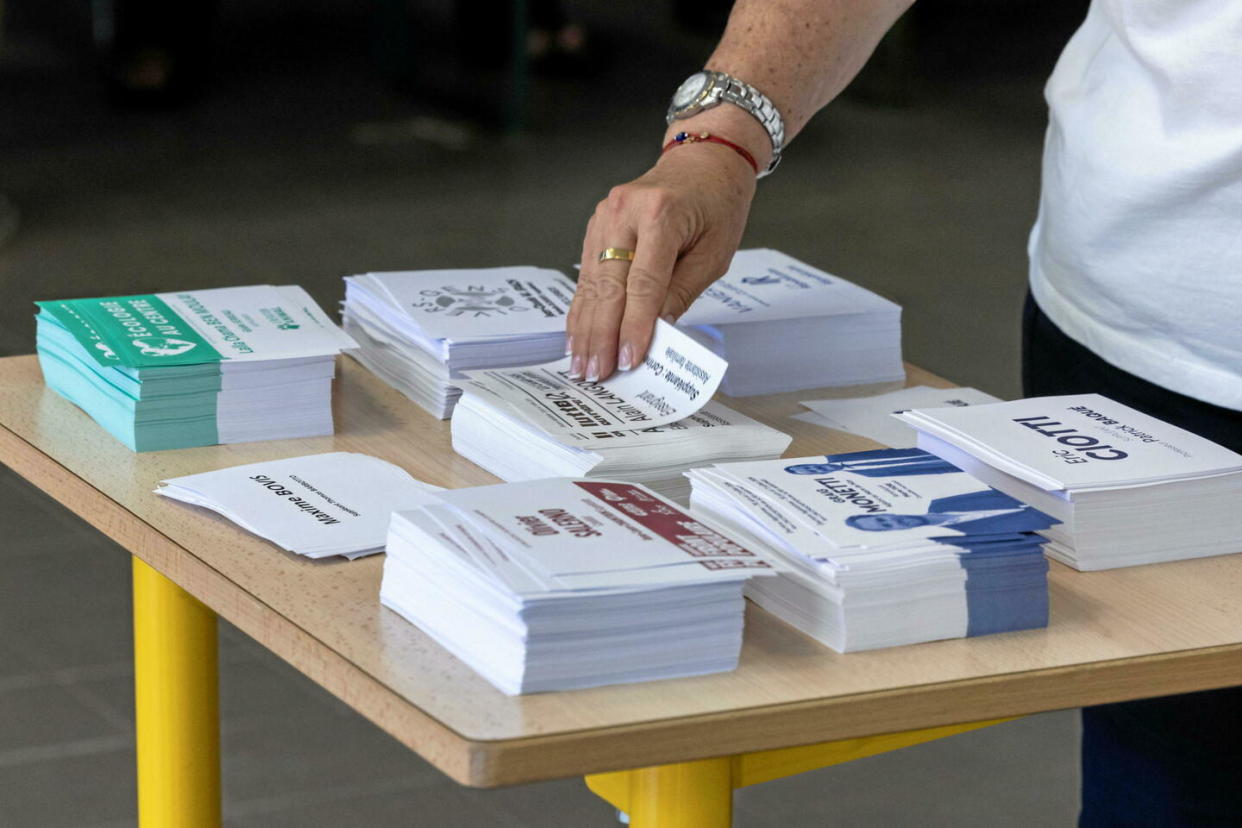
(560, 584)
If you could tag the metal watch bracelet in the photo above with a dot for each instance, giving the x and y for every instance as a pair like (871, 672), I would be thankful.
(722, 87)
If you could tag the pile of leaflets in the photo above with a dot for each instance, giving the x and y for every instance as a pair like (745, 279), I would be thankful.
(871, 417)
(881, 548)
(195, 368)
(419, 330)
(648, 425)
(657, 456)
(783, 325)
(1128, 488)
(560, 584)
(316, 506)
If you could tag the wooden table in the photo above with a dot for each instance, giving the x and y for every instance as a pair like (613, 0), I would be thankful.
(1124, 634)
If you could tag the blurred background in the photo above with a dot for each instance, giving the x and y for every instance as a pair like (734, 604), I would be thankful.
(152, 146)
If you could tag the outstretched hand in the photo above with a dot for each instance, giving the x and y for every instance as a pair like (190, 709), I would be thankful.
(683, 219)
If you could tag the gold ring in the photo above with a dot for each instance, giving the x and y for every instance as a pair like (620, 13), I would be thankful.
(619, 253)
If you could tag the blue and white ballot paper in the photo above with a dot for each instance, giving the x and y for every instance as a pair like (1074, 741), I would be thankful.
(419, 329)
(196, 367)
(881, 548)
(559, 584)
(648, 425)
(785, 325)
(316, 506)
(1128, 488)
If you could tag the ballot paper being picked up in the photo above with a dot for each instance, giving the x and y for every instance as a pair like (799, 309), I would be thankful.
(648, 425)
(561, 584)
(420, 329)
(1128, 488)
(315, 506)
(784, 325)
(872, 417)
(197, 367)
(677, 377)
(881, 548)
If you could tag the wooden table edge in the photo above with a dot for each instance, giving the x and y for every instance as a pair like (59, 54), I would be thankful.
(438, 744)
(871, 714)
(493, 763)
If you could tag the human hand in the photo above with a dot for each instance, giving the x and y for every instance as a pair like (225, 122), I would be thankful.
(683, 219)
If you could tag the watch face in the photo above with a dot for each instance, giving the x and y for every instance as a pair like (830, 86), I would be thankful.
(690, 89)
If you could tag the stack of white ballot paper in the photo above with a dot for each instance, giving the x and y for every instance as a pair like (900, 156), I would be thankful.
(561, 584)
(658, 456)
(784, 325)
(195, 368)
(648, 425)
(316, 506)
(871, 417)
(1128, 488)
(419, 330)
(881, 548)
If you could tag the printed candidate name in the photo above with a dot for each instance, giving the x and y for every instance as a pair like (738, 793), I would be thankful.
(280, 490)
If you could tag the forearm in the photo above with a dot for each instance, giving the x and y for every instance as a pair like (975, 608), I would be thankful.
(683, 219)
(800, 53)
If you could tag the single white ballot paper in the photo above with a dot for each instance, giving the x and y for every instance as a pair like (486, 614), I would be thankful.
(871, 417)
(317, 506)
(676, 379)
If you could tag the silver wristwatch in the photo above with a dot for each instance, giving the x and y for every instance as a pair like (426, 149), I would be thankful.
(706, 89)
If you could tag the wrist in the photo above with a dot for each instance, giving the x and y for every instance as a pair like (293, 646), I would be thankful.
(732, 124)
(683, 138)
(708, 168)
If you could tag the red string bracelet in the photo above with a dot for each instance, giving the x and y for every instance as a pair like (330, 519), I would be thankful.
(695, 137)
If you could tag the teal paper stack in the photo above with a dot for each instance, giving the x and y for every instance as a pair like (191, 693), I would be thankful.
(195, 368)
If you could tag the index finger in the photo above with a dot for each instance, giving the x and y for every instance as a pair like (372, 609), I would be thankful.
(579, 312)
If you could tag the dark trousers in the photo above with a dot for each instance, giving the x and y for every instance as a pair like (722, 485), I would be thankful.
(1167, 762)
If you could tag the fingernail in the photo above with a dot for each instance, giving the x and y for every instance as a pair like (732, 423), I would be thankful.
(569, 345)
(625, 361)
(593, 370)
(575, 367)
(669, 318)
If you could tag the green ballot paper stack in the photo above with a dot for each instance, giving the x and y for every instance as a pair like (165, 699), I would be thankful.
(195, 368)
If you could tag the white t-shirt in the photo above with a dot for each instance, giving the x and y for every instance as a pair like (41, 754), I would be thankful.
(1137, 252)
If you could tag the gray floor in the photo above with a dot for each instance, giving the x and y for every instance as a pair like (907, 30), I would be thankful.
(302, 167)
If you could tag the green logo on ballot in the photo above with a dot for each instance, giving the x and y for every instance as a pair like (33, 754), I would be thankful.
(134, 331)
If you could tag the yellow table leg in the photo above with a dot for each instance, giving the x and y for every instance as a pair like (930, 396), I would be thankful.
(692, 794)
(176, 703)
(685, 795)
